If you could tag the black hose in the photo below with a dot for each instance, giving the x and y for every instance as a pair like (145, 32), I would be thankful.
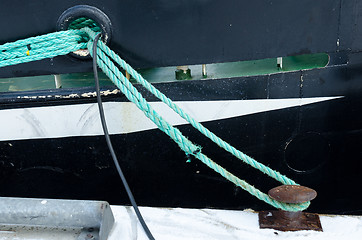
(109, 143)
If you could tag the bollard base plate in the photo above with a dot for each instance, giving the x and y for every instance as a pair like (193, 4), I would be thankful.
(275, 220)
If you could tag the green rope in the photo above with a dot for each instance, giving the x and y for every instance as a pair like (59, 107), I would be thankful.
(84, 22)
(105, 60)
(41, 47)
(109, 68)
(43, 38)
(265, 169)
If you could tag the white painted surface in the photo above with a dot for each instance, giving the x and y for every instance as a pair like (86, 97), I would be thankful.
(197, 224)
(207, 224)
(125, 117)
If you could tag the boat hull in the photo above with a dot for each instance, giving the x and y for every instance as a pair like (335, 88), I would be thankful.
(160, 33)
(312, 134)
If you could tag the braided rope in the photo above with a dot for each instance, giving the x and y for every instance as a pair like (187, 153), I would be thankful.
(132, 94)
(43, 55)
(42, 38)
(61, 43)
(84, 22)
(240, 155)
(41, 47)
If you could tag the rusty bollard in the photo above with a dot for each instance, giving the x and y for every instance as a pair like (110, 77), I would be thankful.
(290, 221)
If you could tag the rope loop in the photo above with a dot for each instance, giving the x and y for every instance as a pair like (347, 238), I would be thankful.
(64, 42)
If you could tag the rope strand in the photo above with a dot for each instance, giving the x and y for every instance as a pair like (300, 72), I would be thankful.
(132, 94)
(50, 45)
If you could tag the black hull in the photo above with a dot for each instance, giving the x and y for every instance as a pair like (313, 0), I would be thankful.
(317, 145)
(156, 33)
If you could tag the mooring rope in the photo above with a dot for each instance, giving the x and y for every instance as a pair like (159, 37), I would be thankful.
(48, 46)
(41, 47)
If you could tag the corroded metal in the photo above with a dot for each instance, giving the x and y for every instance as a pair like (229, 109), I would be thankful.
(292, 194)
(289, 221)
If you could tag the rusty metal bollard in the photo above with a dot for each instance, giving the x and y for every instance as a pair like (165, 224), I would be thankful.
(290, 221)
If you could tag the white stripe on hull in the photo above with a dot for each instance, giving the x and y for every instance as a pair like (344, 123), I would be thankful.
(125, 117)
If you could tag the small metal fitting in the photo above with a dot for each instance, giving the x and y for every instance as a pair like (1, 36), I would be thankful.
(183, 73)
(204, 73)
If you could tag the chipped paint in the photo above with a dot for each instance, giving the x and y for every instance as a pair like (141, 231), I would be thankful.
(73, 95)
(103, 93)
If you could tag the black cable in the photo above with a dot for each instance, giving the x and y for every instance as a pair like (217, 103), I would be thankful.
(109, 143)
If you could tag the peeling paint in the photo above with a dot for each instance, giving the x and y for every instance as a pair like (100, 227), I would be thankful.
(103, 93)
(73, 95)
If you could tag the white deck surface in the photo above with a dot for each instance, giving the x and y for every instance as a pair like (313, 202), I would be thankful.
(206, 224)
(198, 224)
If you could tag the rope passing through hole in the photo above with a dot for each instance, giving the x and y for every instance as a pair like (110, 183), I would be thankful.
(48, 46)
